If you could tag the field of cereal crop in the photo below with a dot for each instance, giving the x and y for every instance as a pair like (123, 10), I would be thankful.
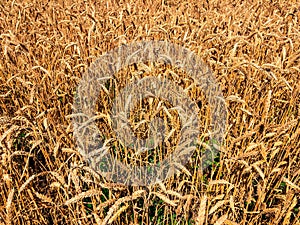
(252, 48)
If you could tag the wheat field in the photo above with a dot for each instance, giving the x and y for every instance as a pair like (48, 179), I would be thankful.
(253, 49)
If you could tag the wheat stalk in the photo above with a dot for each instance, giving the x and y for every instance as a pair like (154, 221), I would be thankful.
(201, 212)
(8, 206)
(82, 195)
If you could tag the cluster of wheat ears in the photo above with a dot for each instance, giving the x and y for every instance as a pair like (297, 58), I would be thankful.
(253, 50)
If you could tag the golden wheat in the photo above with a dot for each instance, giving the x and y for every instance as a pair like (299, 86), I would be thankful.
(252, 48)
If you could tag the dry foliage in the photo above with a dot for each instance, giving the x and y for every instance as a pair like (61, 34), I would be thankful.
(251, 46)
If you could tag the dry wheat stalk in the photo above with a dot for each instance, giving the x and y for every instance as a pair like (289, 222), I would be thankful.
(82, 195)
(9, 205)
(217, 206)
(165, 198)
(201, 218)
(26, 183)
(117, 214)
(113, 208)
(43, 197)
(221, 220)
